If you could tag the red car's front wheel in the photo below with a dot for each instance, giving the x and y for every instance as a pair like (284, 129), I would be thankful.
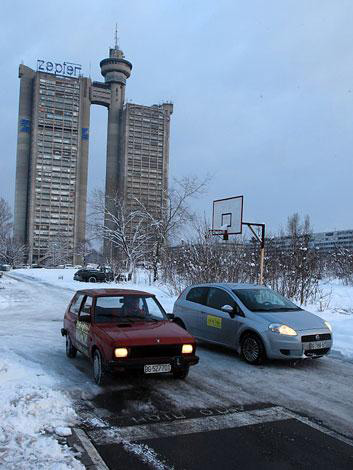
(98, 372)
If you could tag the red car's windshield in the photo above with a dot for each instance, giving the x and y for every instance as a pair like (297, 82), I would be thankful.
(127, 308)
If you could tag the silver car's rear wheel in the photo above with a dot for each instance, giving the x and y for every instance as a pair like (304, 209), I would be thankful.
(252, 349)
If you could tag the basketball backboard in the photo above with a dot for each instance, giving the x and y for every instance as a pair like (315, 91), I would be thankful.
(227, 215)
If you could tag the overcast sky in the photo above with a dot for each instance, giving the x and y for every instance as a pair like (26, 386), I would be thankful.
(262, 92)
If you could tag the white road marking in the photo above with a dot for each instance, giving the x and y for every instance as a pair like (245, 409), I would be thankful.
(187, 426)
(90, 449)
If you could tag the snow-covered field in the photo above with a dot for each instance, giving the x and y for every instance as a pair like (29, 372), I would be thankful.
(38, 385)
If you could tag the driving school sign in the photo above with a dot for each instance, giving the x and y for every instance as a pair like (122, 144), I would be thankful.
(59, 68)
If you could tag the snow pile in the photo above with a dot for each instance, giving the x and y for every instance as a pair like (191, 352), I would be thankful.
(32, 415)
(336, 306)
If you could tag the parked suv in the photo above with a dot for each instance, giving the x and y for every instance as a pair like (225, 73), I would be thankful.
(101, 274)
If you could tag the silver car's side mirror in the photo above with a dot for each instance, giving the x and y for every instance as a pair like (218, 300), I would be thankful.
(229, 309)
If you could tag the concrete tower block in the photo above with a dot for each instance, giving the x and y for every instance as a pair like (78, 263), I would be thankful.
(115, 70)
(23, 158)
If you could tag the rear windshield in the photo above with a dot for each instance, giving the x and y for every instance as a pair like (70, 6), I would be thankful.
(265, 300)
(127, 308)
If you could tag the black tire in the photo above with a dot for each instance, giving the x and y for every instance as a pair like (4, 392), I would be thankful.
(71, 351)
(98, 371)
(181, 372)
(92, 279)
(252, 349)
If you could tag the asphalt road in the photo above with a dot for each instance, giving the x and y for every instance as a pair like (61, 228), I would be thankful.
(226, 414)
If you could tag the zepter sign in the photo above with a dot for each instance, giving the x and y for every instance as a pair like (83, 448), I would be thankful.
(65, 68)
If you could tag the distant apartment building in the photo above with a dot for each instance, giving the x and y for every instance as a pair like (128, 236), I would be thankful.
(323, 241)
(331, 240)
(52, 151)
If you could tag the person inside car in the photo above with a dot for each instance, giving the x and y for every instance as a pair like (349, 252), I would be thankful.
(132, 307)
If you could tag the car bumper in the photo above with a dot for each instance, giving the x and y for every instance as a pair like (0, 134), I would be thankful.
(139, 363)
(301, 346)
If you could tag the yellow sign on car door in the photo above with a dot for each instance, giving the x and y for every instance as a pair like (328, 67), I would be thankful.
(214, 322)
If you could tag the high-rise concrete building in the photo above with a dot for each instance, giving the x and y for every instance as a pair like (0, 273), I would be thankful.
(146, 155)
(52, 156)
(52, 150)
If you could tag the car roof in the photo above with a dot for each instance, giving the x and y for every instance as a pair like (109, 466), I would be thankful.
(110, 292)
(228, 285)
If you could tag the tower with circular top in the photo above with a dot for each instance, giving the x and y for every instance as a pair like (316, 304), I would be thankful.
(115, 70)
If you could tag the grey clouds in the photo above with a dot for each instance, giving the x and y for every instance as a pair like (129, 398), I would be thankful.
(262, 92)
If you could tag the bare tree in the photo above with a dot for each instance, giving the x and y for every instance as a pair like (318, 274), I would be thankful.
(11, 252)
(340, 263)
(58, 252)
(174, 215)
(5, 219)
(83, 250)
(124, 230)
(14, 253)
(292, 267)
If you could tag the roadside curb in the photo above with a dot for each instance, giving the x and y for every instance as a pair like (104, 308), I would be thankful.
(89, 457)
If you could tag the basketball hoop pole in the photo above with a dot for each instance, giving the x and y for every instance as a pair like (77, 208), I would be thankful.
(262, 245)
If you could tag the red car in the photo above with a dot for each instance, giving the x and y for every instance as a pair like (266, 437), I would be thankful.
(121, 329)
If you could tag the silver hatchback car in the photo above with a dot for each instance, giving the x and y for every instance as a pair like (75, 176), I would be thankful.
(254, 320)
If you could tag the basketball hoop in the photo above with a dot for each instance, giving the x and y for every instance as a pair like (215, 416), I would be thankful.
(227, 216)
(227, 219)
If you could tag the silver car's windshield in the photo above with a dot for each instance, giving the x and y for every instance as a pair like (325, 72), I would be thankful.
(265, 300)
(127, 308)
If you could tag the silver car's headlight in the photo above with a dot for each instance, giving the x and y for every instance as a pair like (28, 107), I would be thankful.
(282, 329)
(328, 325)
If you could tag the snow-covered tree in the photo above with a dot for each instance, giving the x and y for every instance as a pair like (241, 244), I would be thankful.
(173, 217)
(11, 252)
(83, 250)
(124, 230)
(5, 219)
(58, 252)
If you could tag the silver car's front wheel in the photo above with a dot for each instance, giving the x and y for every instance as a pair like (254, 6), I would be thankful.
(252, 349)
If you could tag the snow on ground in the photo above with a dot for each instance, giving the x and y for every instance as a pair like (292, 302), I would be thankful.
(335, 303)
(32, 413)
(35, 403)
(38, 384)
(336, 306)
(64, 278)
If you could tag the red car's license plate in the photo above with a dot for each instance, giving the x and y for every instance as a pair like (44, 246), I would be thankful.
(156, 368)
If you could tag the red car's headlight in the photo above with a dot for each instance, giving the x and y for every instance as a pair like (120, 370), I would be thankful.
(121, 352)
(187, 349)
